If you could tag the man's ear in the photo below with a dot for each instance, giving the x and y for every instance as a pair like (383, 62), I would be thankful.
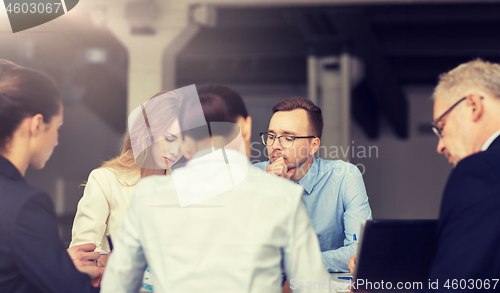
(477, 106)
(36, 124)
(314, 145)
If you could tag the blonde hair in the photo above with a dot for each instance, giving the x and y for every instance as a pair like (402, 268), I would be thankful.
(475, 73)
(126, 166)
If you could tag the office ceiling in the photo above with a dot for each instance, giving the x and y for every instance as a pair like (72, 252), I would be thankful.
(399, 44)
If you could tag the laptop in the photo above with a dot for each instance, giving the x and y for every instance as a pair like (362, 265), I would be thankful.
(395, 255)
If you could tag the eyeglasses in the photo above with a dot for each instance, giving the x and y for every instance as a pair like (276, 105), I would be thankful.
(437, 130)
(286, 141)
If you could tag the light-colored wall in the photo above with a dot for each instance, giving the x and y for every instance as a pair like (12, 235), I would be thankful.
(407, 178)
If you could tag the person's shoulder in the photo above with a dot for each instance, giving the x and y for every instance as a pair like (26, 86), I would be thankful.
(481, 165)
(115, 176)
(263, 181)
(490, 157)
(102, 177)
(336, 167)
(261, 165)
(155, 190)
(153, 183)
(102, 173)
(476, 179)
(273, 194)
(336, 163)
(472, 189)
(24, 196)
(19, 191)
(155, 179)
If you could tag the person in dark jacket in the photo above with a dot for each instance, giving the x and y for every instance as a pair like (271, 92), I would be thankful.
(32, 257)
(467, 122)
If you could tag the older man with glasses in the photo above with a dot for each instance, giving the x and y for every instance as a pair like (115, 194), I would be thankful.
(467, 122)
(334, 192)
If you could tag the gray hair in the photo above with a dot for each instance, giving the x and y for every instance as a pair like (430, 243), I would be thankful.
(475, 73)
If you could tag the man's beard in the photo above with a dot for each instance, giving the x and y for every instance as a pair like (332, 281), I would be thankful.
(300, 163)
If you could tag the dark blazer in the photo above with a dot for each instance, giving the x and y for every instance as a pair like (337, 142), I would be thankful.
(32, 257)
(469, 223)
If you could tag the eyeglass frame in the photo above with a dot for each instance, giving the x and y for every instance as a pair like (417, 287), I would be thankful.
(434, 126)
(279, 138)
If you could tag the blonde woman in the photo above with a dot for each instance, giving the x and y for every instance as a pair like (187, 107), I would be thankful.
(150, 148)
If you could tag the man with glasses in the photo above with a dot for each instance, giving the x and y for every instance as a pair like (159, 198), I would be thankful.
(334, 192)
(216, 225)
(467, 122)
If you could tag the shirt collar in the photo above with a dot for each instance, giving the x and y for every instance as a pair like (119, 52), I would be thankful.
(487, 144)
(307, 182)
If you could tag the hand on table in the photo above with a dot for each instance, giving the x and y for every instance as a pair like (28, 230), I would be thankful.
(279, 168)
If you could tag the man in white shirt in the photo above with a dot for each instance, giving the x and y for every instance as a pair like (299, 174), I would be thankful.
(218, 224)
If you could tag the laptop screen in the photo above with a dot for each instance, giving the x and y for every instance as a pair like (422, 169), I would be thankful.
(395, 253)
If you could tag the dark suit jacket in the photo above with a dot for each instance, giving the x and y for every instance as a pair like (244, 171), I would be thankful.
(32, 257)
(469, 223)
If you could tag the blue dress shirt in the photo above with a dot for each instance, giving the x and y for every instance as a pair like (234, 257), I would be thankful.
(336, 201)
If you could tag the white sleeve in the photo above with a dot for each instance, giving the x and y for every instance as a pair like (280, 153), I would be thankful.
(303, 262)
(93, 211)
(127, 263)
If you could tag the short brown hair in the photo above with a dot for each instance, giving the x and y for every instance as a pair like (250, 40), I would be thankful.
(313, 112)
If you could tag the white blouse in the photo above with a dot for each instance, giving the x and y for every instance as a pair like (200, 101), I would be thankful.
(102, 208)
